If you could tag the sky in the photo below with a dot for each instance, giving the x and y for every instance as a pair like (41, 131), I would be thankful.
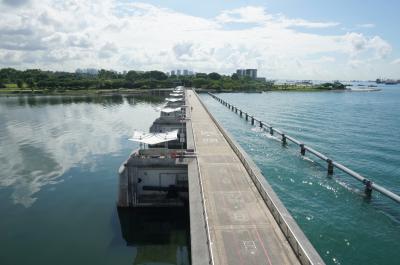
(283, 39)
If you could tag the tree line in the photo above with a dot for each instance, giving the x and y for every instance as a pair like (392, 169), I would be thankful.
(106, 79)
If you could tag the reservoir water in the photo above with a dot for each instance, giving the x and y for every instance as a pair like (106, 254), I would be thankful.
(59, 158)
(358, 129)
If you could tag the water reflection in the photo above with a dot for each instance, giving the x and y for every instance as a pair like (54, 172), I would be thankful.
(114, 99)
(43, 138)
(160, 235)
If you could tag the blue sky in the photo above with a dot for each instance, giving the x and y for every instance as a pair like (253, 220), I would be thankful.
(283, 39)
(383, 14)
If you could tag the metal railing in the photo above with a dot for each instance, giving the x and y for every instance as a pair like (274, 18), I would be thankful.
(369, 185)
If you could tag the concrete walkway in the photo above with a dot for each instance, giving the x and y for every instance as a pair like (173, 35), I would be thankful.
(242, 229)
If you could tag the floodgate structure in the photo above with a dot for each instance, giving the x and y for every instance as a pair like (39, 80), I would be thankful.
(189, 160)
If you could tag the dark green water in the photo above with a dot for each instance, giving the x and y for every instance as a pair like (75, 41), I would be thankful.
(360, 130)
(59, 158)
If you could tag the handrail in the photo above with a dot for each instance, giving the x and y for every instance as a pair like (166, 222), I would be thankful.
(369, 185)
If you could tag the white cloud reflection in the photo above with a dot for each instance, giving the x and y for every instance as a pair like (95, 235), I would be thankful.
(39, 145)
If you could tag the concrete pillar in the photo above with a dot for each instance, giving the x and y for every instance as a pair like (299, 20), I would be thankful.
(240, 113)
(271, 131)
(302, 149)
(368, 187)
(330, 166)
(284, 142)
(252, 120)
(247, 117)
(261, 124)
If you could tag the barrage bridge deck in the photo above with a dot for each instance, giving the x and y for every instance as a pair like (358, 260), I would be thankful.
(236, 218)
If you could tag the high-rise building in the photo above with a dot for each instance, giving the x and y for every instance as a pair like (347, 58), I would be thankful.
(178, 72)
(173, 72)
(185, 72)
(252, 73)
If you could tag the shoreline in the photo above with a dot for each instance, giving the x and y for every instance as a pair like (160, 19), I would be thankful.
(156, 91)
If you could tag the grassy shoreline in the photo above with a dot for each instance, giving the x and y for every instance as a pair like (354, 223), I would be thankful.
(104, 92)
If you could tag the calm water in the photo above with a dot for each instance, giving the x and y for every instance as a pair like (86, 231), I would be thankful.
(360, 130)
(59, 158)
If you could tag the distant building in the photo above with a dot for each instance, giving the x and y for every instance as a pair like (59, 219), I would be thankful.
(252, 73)
(87, 71)
(184, 72)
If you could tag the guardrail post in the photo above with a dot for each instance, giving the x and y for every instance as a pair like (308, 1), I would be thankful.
(235, 110)
(271, 131)
(240, 111)
(330, 166)
(247, 117)
(368, 187)
(284, 142)
(302, 149)
(261, 124)
(252, 120)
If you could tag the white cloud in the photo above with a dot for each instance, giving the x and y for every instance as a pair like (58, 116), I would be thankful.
(15, 3)
(108, 50)
(396, 61)
(305, 23)
(133, 35)
(249, 14)
(367, 25)
(358, 43)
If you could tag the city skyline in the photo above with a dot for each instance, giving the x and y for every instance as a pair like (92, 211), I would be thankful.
(285, 40)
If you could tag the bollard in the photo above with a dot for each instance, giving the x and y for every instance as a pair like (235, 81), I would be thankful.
(368, 187)
(271, 131)
(284, 139)
(252, 120)
(302, 149)
(330, 166)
